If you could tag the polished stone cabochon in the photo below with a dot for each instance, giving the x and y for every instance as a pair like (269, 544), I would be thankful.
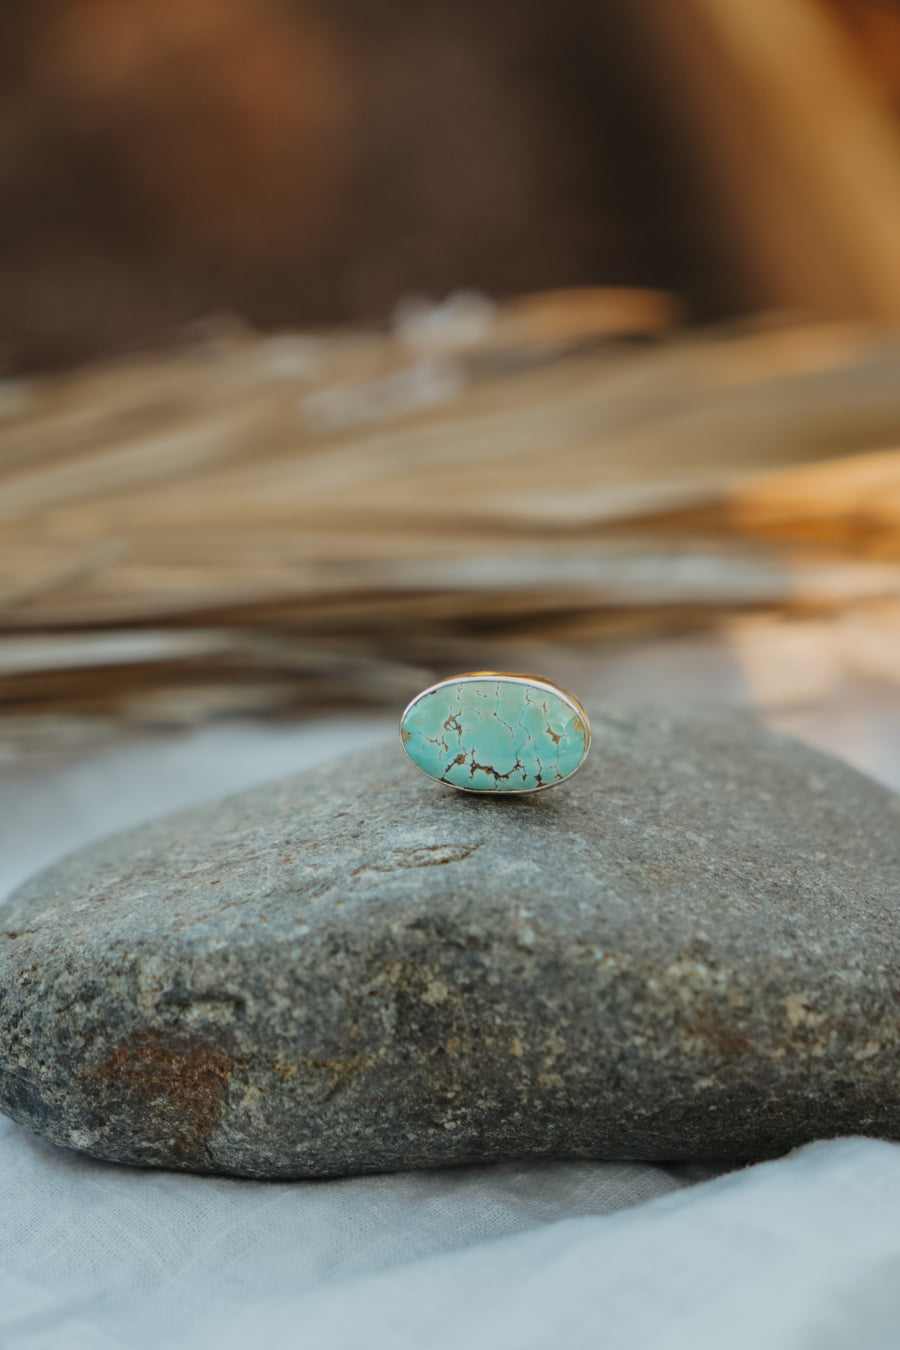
(495, 733)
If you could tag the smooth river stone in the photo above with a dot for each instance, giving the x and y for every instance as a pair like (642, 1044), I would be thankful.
(497, 733)
(692, 951)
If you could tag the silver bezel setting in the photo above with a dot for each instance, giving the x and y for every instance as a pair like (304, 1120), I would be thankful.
(508, 677)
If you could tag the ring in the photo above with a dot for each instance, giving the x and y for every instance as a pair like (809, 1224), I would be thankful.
(494, 731)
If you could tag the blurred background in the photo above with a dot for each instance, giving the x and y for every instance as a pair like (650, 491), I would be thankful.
(345, 346)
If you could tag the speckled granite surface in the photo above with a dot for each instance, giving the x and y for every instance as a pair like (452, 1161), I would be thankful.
(689, 950)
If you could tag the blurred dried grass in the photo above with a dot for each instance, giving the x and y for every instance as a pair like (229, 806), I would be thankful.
(267, 524)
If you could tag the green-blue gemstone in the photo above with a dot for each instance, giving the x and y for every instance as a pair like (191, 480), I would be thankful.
(495, 734)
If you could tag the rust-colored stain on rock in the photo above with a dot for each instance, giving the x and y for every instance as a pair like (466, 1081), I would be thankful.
(710, 1031)
(180, 1084)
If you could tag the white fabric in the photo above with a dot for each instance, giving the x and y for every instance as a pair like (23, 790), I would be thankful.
(799, 1254)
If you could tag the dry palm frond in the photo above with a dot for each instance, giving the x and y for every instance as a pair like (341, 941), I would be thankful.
(265, 523)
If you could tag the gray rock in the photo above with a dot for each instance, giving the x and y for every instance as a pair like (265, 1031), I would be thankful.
(690, 950)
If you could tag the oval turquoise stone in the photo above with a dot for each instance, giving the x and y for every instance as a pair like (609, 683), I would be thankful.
(495, 733)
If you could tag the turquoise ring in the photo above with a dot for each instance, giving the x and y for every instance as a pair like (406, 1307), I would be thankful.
(492, 731)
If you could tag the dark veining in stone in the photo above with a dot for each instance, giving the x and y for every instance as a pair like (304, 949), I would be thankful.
(690, 950)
